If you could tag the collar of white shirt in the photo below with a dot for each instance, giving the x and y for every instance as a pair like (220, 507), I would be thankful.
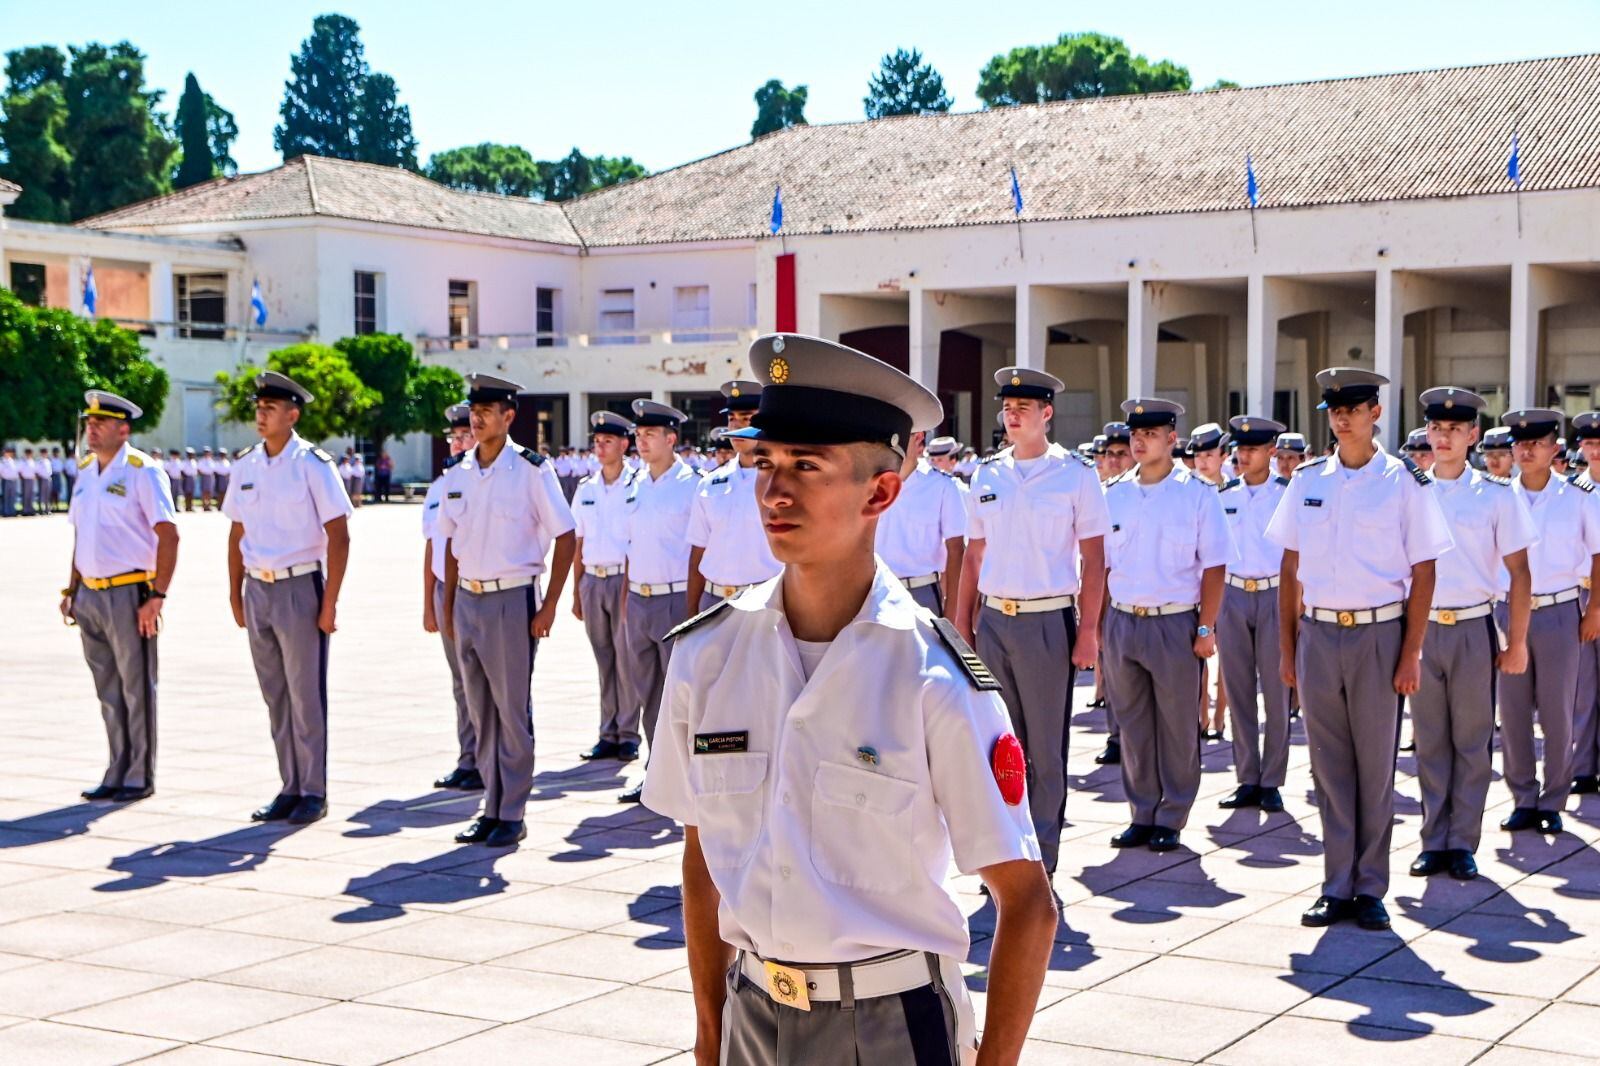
(887, 603)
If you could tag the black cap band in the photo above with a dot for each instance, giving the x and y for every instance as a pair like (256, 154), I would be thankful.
(611, 428)
(487, 395)
(1151, 419)
(1251, 437)
(277, 392)
(742, 403)
(1026, 392)
(1534, 431)
(802, 414)
(1349, 396)
(1438, 412)
(1589, 432)
(649, 418)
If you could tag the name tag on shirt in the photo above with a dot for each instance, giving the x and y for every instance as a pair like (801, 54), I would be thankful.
(117, 488)
(453, 495)
(247, 486)
(1313, 503)
(987, 498)
(721, 743)
(1230, 510)
(588, 503)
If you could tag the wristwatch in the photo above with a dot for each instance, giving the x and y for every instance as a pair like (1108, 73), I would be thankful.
(1202, 631)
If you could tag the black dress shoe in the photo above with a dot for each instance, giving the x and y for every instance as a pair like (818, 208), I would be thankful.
(1112, 755)
(1271, 800)
(1520, 819)
(100, 792)
(628, 751)
(1163, 839)
(505, 834)
(1409, 745)
(478, 831)
(280, 808)
(471, 781)
(1098, 703)
(133, 795)
(1585, 785)
(603, 749)
(1326, 911)
(633, 795)
(1243, 796)
(1549, 821)
(1431, 862)
(451, 780)
(1371, 913)
(1135, 836)
(1463, 867)
(309, 809)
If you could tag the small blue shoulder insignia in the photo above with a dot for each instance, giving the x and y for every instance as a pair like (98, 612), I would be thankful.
(532, 456)
(1231, 483)
(1280, 479)
(453, 460)
(242, 452)
(1586, 486)
(1494, 479)
(698, 620)
(1086, 460)
(1309, 463)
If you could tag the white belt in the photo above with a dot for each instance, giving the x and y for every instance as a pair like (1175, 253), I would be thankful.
(870, 980)
(1449, 616)
(728, 592)
(1154, 612)
(269, 576)
(1387, 613)
(920, 582)
(1038, 606)
(658, 590)
(1550, 599)
(603, 571)
(1253, 584)
(496, 585)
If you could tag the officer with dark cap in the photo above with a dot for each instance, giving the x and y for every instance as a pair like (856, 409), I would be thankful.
(465, 776)
(124, 551)
(1248, 626)
(502, 509)
(190, 468)
(728, 550)
(1586, 714)
(1360, 532)
(600, 584)
(821, 819)
(1496, 451)
(1418, 448)
(1033, 581)
(1566, 515)
(286, 560)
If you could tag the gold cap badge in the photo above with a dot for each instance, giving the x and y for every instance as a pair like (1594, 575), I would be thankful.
(779, 370)
(734, 391)
(1138, 408)
(1244, 427)
(1016, 379)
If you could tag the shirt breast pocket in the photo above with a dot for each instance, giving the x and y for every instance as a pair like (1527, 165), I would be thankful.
(1177, 545)
(861, 829)
(730, 802)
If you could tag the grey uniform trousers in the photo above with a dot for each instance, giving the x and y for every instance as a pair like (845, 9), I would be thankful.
(124, 667)
(10, 493)
(190, 489)
(466, 736)
(1352, 713)
(1546, 691)
(647, 652)
(1586, 712)
(931, 597)
(1031, 656)
(30, 493)
(495, 648)
(602, 620)
(1247, 645)
(1153, 677)
(1452, 723)
(291, 660)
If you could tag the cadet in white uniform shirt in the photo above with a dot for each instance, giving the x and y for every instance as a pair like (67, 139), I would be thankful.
(831, 749)
(502, 509)
(10, 483)
(207, 468)
(1038, 512)
(1165, 555)
(599, 507)
(1586, 714)
(224, 467)
(922, 538)
(287, 552)
(728, 550)
(125, 548)
(1452, 712)
(1360, 532)
(465, 776)
(30, 482)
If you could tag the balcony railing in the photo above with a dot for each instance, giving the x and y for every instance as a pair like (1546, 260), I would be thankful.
(592, 339)
(208, 331)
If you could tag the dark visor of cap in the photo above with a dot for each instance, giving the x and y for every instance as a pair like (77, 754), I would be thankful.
(803, 414)
(1348, 396)
(276, 392)
(650, 418)
(1248, 437)
(1026, 392)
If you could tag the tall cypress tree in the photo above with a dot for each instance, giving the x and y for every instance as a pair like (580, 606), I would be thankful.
(323, 92)
(121, 150)
(193, 137)
(383, 125)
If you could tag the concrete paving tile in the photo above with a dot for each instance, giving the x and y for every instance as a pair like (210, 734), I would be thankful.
(603, 957)
(493, 993)
(192, 905)
(1132, 930)
(353, 1034)
(461, 938)
(323, 921)
(574, 908)
(194, 952)
(1310, 1042)
(1560, 1027)
(51, 988)
(61, 936)
(1340, 949)
(518, 1045)
(1073, 965)
(191, 1011)
(1586, 991)
(51, 1044)
(1208, 982)
(204, 1055)
(1142, 1026)
(1440, 959)
(335, 972)
(1521, 1056)
(655, 1016)
(1045, 1053)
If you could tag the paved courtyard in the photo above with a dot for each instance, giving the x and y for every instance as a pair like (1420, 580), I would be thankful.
(174, 929)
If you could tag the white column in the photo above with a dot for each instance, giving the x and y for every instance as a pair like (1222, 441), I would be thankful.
(1388, 351)
(1261, 345)
(925, 332)
(161, 296)
(1143, 330)
(1524, 339)
(577, 418)
(1031, 338)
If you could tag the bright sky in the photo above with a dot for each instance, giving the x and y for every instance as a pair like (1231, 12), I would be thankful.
(670, 82)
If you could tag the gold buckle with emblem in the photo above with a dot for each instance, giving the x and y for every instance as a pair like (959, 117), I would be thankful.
(1347, 619)
(269, 576)
(474, 586)
(1447, 618)
(1141, 612)
(787, 986)
(726, 591)
(1249, 584)
(1008, 608)
(644, 590)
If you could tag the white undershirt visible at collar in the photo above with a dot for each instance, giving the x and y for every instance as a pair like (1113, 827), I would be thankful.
(811, 653)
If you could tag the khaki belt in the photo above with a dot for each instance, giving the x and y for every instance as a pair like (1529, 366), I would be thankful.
(1449, 616)
(872, 979)
(1362, 617)
(1550, 599)
(133, 577)
(603, 571)
(497, 584)
(269, 576)
(1154, 612)
(1038, 606)
(920, 582)
(658, 590)
(1253, 584)
(728, 592)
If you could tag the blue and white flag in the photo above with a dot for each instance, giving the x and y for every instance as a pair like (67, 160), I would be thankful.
(1514, 163)
(777, 209)
(1251, 190)
(91, 295)
(258, 306)
(1016, 193)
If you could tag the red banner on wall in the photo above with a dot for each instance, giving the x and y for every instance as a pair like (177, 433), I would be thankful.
(785, 319)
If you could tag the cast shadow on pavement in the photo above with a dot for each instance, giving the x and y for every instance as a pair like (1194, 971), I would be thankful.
(236, 851)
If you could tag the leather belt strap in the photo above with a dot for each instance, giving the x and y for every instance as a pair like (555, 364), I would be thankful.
(644, 589)
(1252, 584)
(603, 571)
(1154, 612)
(1038, 606)
(1449, 616)
(920, 582)
(872, 979)
(1550, 599)
(496, 585)
(269, 576)
(132, 577)
(1361, 617)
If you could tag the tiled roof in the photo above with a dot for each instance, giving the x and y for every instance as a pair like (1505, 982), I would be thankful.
(9, 186)
(336, 188)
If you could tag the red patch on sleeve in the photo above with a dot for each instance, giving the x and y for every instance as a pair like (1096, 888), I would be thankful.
(1010, 769)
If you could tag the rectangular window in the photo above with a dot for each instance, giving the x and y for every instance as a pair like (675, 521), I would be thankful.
(27, 281)
(616, 317)
(750, 306)
(463, 314)
(544, 317)
(691, 314)
(366, 306)
(202, 305)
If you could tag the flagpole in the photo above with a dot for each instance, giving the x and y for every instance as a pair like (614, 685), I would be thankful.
(1021, 251)
(1254, 244)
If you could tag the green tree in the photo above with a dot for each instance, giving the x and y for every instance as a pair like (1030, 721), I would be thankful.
(905, 85)
(323, 92)
(383, 125)
(341, 398)
(115, 360)
(778, 108)
(615, 170)
(1077, 65)
(506, 169)
(121, 150)
(577, 174)
(194, 137)
(33, 130)
(411, 397)
(221, 131)
(1221, 83)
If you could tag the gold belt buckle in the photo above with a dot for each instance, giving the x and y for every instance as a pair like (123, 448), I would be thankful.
(1347, 619)
(644, 590)
(1249, 584)
(1447, 618)
(269, 576)
(475, 586)
(1141, 612)
(1008, 608)
(727, 590)
(787, 986)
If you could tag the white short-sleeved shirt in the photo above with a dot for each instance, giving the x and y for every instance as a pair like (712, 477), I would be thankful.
(501, 519)
(725, 521)
(191, 467)
(114, 513)
(830, 809)
(1488, 521)
(929, 511)
(10, 470)
(283, 502)
(1566, 516)
(224, 464)
(1248, 509)
(431, 504)
(28, 470)
(601, 514)
(1164, 537)
(1031, 515)
(658, 524)
(58, 465)
(1359, 532)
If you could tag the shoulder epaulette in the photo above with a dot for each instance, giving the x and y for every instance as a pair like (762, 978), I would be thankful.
(1230, 484)
(1280, 479)
(700, 619)
(136, 458)
(320, 454)
(1495, 479)
(454, 459)
(532, 456)
(1417, 473)
(1126, 475)
(246, 450)
(85, 461)
(989, 458)
(1309, 463)
(1586, 486)
(971, 665)
(1086, 460)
